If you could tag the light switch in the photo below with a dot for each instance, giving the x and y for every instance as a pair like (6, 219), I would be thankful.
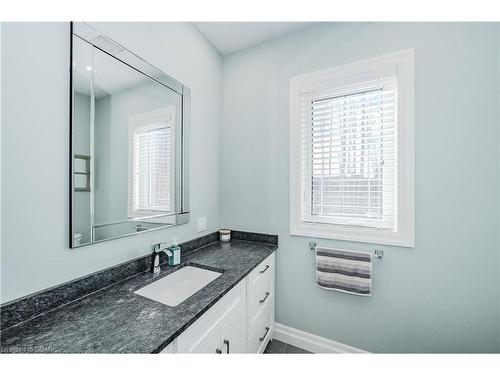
(202, 224)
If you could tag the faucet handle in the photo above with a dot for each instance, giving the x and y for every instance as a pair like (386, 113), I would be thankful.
(157, 246)
(163, 246)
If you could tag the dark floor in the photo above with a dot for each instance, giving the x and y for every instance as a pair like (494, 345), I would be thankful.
(278, 347)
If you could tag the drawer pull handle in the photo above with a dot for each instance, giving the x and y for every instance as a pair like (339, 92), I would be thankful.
(226, 342)
(263, 299)
(265, 269)
(218, 351)
(265, 334)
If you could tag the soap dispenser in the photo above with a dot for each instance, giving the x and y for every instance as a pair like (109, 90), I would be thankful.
(175, 259)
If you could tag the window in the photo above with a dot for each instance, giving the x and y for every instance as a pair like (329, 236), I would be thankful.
(151, 169)
(351, 152)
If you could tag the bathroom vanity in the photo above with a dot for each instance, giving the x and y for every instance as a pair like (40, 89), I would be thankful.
(241, 322)
(102, 313)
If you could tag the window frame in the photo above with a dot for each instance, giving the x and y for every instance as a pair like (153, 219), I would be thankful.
(402, 64)
(150, 119)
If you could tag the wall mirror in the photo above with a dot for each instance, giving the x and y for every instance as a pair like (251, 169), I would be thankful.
(129, 135)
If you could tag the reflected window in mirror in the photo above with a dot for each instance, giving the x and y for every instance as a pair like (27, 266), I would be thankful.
(151, 156)
(129, 138)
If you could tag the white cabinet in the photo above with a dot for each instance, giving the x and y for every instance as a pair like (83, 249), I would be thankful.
(241, 322)
(169, 349)
(233, 333)
(260, 302)
(207, 342)
(220, 329)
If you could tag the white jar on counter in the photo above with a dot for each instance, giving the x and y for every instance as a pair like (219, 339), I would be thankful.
(224, 235)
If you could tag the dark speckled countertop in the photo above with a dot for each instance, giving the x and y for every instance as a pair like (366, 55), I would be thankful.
(116, 320)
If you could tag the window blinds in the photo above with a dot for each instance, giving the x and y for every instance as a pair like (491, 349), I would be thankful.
(349, 155)
(151, 173)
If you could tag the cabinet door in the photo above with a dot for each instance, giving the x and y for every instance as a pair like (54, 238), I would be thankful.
(204, 335)
(207, 342)
(232, 330)
(169, 349)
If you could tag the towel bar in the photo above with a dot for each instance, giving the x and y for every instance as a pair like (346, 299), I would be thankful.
(379, 254)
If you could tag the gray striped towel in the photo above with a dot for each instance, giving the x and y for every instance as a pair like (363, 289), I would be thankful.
(344, 271)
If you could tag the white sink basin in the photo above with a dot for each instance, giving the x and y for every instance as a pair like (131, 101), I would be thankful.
(179, 285)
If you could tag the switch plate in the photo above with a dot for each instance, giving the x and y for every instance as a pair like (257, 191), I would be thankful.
(202, 224)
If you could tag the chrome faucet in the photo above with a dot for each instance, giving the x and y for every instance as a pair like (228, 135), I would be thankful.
(155, 257)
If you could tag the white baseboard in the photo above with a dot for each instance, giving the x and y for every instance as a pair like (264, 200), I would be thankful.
(310, 342)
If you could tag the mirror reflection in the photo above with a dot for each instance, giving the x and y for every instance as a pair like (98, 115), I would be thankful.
(127, 148)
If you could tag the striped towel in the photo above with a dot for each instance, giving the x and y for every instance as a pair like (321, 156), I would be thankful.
(344, 271)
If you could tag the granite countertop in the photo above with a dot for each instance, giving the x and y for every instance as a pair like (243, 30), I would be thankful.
(116, 320)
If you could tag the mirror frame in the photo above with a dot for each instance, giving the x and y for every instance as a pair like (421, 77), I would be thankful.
(100, 41)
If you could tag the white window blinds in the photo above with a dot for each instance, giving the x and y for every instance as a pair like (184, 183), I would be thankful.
(349, 155)
(151, 168)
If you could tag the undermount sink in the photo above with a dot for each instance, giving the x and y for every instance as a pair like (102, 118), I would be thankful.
(179, 285)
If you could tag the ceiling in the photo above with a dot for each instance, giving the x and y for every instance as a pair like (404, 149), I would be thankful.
(230, 37)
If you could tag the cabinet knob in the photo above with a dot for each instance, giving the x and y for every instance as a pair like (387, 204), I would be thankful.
(218, 351)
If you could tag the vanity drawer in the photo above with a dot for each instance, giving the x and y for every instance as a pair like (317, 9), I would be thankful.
(261, 331)
(259, 299)
(261, 275)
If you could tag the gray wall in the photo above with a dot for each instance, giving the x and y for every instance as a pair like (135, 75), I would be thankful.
(441, 296)
(35, 110)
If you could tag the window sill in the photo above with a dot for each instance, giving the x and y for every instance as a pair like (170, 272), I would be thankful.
(353, 235)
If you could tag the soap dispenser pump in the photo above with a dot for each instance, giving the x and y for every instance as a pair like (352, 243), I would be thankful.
(175, 259)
